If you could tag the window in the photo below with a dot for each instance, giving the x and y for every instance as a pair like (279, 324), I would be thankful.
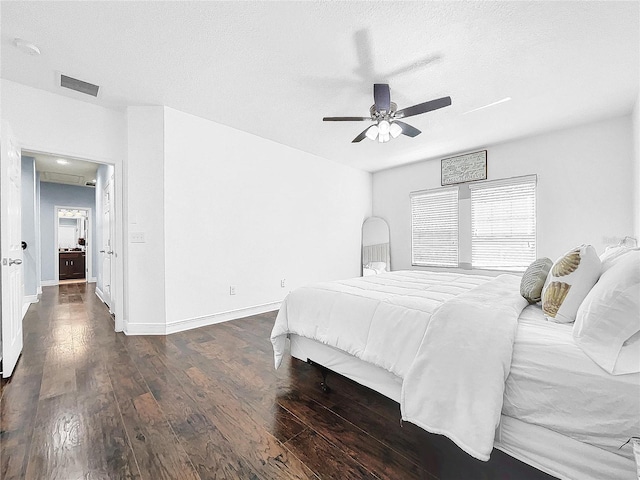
(434, 227)
(503, 223)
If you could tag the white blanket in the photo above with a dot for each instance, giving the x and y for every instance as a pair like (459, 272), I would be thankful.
(455, 385)
(383, 320)
(380, 319)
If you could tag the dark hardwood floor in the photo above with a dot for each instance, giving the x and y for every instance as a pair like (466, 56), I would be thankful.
(87, 403)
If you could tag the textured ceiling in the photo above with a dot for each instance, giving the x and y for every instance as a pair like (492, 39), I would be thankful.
(275, 69)
(73, 172)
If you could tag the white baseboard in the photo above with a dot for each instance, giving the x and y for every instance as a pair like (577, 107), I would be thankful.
(30, 299)
(92, 280)
(99, 294)
(190, 323)
(145, 329)
(39, 289)
(49, 283)
(25, 307)
(197, 322)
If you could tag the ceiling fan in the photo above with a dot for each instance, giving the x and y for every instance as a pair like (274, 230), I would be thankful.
(387, 116)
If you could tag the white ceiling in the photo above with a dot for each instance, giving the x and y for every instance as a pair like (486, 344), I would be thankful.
(275, 69)
(73, 172)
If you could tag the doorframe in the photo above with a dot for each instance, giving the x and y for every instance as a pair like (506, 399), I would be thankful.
(120, 246)
(109, 185)
(88, 251)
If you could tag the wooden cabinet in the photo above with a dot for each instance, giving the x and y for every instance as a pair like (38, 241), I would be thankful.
(71, 265)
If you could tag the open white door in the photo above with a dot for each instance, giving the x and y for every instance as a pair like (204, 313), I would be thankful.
(11, 250)
(107, 244)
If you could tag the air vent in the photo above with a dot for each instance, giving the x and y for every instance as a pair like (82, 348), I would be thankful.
(62, 178)
(79, 85)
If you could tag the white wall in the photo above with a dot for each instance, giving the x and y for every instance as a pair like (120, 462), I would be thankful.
(46, 122)
(636, 171)
(241, 210)
(145, 296)
(585, 188)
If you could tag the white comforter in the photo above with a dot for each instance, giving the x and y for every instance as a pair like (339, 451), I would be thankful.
(456, 383)
(393, 319)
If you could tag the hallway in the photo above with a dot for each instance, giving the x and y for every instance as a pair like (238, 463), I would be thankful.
(59, 417)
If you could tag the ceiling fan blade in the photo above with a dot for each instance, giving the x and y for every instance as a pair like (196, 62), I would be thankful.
(407, 129)
(424, 107)
(382, 96)
(345, 119)
(362, 136)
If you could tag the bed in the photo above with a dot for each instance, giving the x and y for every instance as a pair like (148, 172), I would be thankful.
(537, 395)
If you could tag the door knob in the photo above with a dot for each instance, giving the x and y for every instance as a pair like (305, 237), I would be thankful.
(15, 261)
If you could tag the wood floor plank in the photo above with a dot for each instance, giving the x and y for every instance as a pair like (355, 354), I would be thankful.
(211, 453)
(265, 453)
(157, 450)
(104, 434)
(381, 460)
(325, 459)
(57, 452)
(18, 408)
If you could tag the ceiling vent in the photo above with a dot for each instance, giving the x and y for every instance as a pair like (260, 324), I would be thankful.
(79, 85)
(56, 177)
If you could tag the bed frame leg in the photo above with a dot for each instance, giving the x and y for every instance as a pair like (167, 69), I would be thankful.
(324, 371)
(323, 385)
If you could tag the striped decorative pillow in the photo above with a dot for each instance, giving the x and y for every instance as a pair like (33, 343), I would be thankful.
(534, 278)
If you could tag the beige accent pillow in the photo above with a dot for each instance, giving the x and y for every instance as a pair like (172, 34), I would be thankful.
(534, 278)
(568, 283)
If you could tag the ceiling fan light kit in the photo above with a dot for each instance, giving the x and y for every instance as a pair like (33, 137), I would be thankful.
(372, 132)
(386, 115)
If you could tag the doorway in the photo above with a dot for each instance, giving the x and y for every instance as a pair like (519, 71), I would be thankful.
(73, 244)
(97, 177)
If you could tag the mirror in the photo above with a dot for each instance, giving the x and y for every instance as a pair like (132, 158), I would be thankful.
(72, 230)
(72, 244)
(375, 246)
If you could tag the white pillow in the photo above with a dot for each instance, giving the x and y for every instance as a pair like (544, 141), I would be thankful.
(379, 267)
(607, 325)
(570, 279)
(611, 255)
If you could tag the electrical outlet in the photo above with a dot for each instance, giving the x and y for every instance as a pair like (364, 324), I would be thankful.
(136, 237)
(283, 283)
(232, 290)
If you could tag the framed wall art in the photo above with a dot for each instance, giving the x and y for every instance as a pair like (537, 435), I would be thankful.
(464, 168)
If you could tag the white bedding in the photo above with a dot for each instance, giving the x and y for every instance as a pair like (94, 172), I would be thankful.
(343, 313)
(383, 319)
(555, 385)
(455, 386)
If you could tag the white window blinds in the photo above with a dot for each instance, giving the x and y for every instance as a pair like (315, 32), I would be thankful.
(503, 223)
(434, 227)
